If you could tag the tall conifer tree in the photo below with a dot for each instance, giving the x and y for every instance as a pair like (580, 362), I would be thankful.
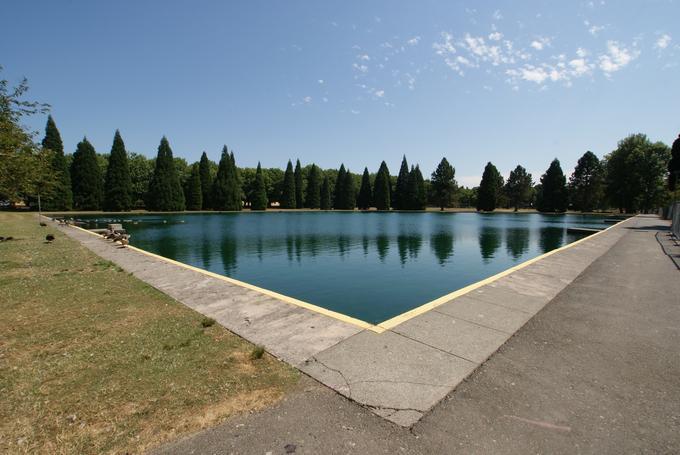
(259, 199)
(340, 197)
(299, 200)
(416, 190)
(117, 183)
(401, 188)
(518, 187)
(86, 178)
(489, 189)
(586, 184)
(325, 194)
(61, 198)
(226, 192)
(288, 195)
(165, 190)
(206, 181)
(313, 199)
(444, 184)
(365, 194)
(382, 188)
(553, 194)
(194, 190)
(349, 191)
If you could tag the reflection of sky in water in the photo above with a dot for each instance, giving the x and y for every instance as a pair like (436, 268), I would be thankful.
(372, 266)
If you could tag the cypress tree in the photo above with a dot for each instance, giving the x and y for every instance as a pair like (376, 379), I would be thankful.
(349, 190)
(226, 191)
(401, 196)
(288, 196)
(117, 184)
(416, 194)
(86, 178)
(325, 196)
(444, 184)
(61, 197)
(259, 199)
(674, 165)
(489, 188)
(206, 181)
(235, 187)
(194, 189)
(299, 200)
(553, 196)
(340, 189)
(365, 194)
(165, 189)
(313, 200)
(381, 188)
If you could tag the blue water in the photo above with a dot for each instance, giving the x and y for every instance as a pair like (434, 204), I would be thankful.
(371, 266)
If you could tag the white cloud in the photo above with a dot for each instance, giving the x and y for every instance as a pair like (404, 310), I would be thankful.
(663, 42)
(380, 93)
(364, 57)
(582, 52)
(580, 66)
(495, 36)
(413, 41)
(321, 81)
(355, 112)
(497, 15)
(592, 28)
(540, 42)
(360, 68)
(307, 99)
(616, 57)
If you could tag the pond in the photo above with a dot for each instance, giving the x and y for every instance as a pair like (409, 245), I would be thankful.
(371, 266)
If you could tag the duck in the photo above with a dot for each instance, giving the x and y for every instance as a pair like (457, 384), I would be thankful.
(49, 238)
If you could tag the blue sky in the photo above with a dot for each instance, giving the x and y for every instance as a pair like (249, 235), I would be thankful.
(353, 81)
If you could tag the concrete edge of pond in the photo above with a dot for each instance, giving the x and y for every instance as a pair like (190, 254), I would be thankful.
(400, 368)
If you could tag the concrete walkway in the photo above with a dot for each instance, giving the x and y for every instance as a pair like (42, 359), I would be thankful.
(401, 370)
(597, 370)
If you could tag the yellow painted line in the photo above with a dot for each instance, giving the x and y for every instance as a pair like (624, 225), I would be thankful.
(385, 325)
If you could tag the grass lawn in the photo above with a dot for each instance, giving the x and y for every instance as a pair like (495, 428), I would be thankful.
(93, 360)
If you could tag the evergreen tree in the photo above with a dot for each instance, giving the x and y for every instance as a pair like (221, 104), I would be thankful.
(313, 200)
(117, 184)
(364, 199)
(206, 181)
(299, 200)
(259, 198)
(194, 189)
(444, 184)
(86, 178)
(350, 198)
(165, 190)
(489, 189)
(518, 187)
(553, 195)
(401, 197)
(340, 199)
(674, 166)
(325, 196)
(61, 198)
(288, 197)
(235, 186)
(586, 184)
(226, 191)
(382, 188)
(417, 197)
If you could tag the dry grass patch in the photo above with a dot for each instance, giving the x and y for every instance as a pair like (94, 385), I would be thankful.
(93, 360)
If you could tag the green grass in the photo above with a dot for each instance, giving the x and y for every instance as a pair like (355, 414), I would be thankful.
(93, 360)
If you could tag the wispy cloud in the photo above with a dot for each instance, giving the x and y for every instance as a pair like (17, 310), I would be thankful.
(663, 41)
(540, 43)
(616, 57)
(413, 41)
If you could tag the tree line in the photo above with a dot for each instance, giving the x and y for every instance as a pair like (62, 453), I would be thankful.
(640, 175)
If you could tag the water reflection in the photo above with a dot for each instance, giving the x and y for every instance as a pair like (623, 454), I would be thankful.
(550, 238)
(517, 241)
(442, 246)
(490, 239)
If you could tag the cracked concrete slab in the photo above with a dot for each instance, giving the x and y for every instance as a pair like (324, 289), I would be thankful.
(485, 314)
